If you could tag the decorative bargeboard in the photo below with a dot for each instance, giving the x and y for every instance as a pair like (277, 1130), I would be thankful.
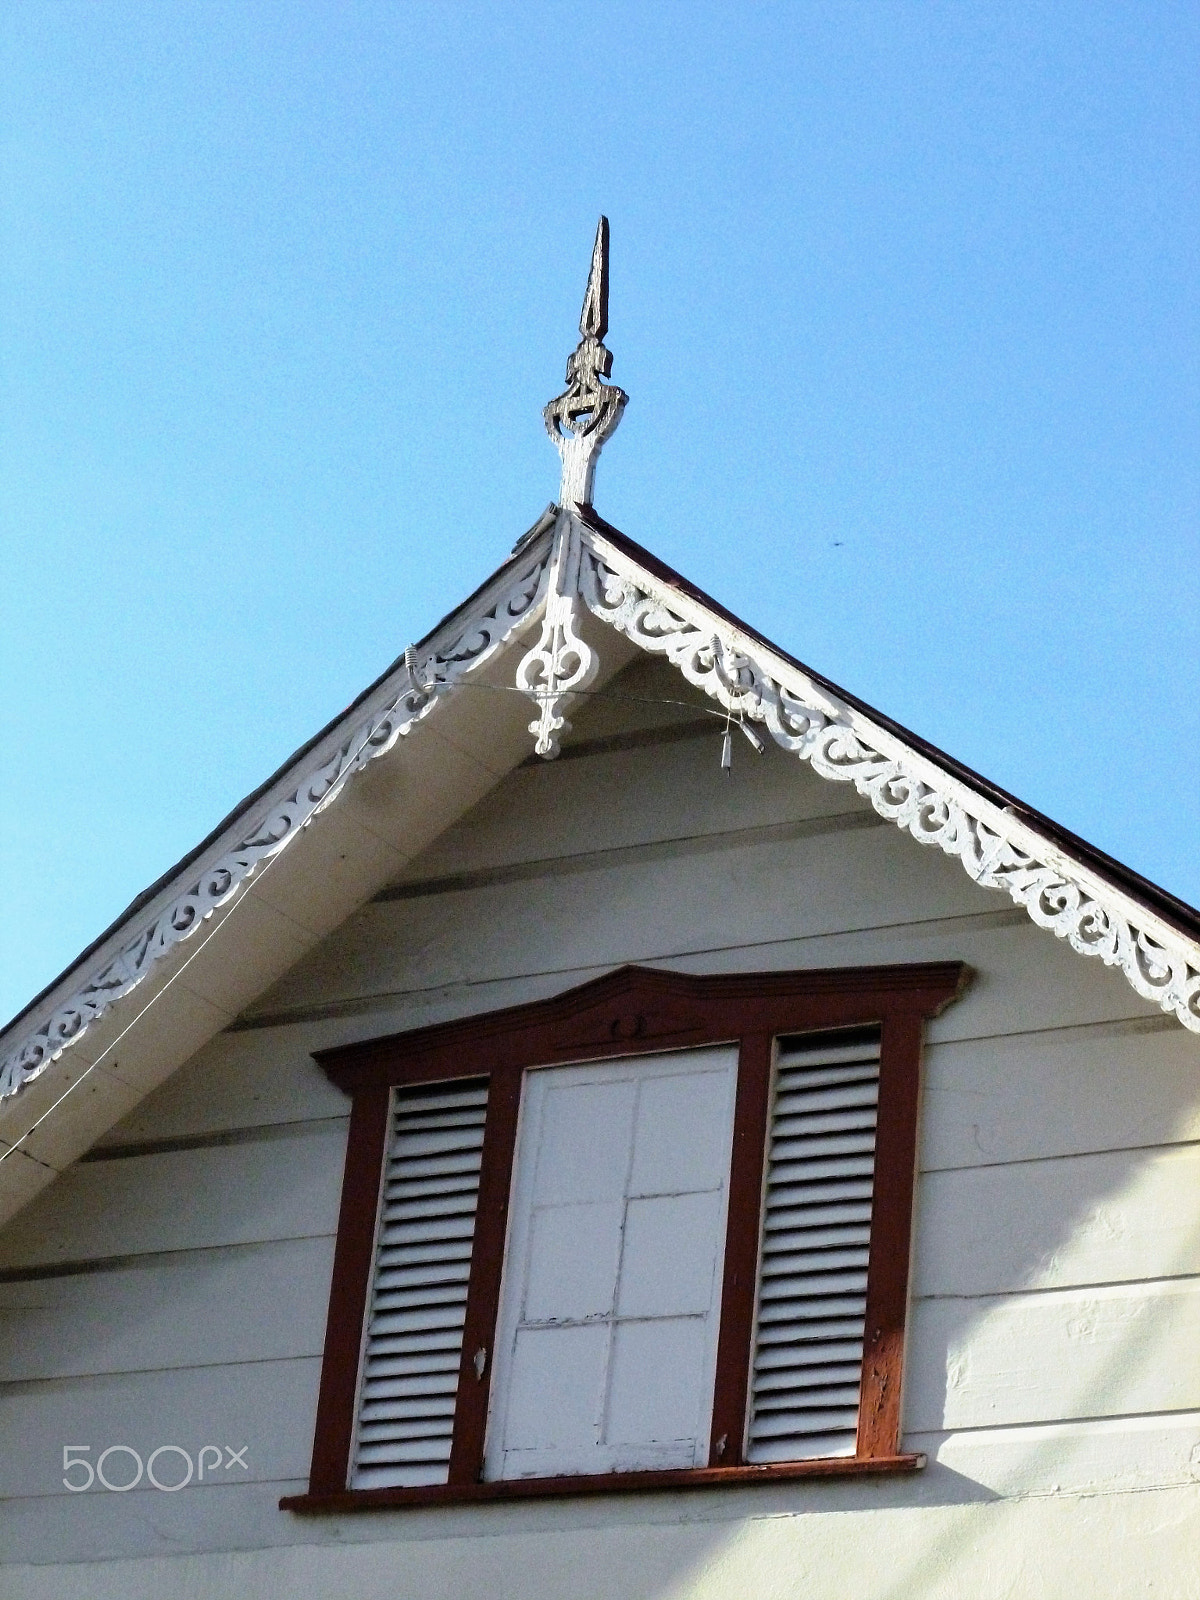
(571, 566)
(997, 850)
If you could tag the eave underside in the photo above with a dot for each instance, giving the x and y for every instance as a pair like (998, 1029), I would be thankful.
(340, 821)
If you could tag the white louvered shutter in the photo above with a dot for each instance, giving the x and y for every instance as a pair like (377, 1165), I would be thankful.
(418, 1300)
(808, 1347)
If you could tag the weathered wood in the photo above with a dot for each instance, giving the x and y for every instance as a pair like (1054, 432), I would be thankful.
(358, 1210)
(806, 888)
(750, 1133)
(1057, 1223)
(1026, 982)
(257, 1302)
(682, 1480)
(871, 1537)
(1112, 1456)
(266, 1405)
(279, 1188)
(631, 797)
(879, 1413)
(1031, 1095)
(95, 1531)
(237, 1080)
(1054, 1356)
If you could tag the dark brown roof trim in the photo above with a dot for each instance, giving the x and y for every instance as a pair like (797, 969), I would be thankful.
(142, 900)
(1169, 907)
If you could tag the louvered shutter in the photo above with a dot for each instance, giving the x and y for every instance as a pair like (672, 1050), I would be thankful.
(413, 1340)
(816, 1235)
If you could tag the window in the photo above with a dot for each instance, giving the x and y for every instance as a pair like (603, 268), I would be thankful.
(652, 1232)
(606, 1343)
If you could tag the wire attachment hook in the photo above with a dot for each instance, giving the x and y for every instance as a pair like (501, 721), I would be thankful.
(416, 673)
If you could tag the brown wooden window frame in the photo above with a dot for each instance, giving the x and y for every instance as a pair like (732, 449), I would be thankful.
(634, 1011)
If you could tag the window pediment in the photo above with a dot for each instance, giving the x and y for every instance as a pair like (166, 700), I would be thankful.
(651, 1232)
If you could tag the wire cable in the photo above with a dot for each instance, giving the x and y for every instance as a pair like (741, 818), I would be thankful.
(725, 717)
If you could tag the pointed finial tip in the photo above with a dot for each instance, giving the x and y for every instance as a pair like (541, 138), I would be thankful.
(581, 418)
(593, 320)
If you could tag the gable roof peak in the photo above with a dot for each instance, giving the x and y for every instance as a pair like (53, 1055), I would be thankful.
(587, 412)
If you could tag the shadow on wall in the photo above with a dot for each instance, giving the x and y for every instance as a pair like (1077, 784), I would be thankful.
(1118, 1357)
(1049, 1291)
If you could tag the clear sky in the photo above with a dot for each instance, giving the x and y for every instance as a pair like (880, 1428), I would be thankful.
(904, 296)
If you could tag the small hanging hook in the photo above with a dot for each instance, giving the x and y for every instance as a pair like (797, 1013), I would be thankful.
(417, 675)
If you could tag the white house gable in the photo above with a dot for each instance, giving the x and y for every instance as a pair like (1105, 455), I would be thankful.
(591, 782)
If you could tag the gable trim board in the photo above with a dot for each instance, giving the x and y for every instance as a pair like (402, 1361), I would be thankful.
(1065, 886)
(297, 793)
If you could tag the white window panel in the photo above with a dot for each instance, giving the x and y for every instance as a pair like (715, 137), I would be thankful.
(607, 1335)
(808, 1346)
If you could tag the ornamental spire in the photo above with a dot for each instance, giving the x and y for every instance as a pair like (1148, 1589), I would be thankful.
(587, 412)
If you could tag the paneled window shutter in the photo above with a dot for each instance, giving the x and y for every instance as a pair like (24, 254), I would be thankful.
(808, 1345)
(679, 1257)
(412, 1346)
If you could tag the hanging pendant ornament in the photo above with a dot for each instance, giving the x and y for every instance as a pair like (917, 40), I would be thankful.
(562, 664)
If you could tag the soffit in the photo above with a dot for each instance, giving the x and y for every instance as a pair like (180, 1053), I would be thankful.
(342, 818)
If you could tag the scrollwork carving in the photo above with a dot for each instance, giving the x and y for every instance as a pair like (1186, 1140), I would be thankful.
(560, 664)
(996, 852)
(587, 412)
(219, 881)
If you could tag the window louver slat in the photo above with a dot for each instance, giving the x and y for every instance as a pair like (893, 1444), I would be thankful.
(413, 1347)
(804, 1387)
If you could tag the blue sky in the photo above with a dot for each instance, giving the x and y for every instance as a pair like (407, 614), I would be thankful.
(904, 296)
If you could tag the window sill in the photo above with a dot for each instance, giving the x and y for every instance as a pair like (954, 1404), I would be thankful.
(444, 1494)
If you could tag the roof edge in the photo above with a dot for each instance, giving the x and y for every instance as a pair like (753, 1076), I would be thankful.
(507, 602)
(1066, 886)
(275, 812)
(1184, 917)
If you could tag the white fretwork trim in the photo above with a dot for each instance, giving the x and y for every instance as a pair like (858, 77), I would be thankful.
(560, 663)
(217, 882)
(997, 850)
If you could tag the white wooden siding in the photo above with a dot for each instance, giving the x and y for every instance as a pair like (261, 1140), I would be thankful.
(275, 1188)
(1116, 1217)
(1056, 1273)
(1113, 1351)
(739, 897)
(142, 1314)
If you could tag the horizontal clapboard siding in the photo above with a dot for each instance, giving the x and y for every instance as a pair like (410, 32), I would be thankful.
(816, 1238)
(413, 1342)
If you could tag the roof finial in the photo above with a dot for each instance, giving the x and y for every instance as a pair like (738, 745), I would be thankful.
(583, 416)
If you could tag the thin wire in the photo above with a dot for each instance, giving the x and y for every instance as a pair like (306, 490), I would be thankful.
(497, 688)
(553, 694)
(133, 1021)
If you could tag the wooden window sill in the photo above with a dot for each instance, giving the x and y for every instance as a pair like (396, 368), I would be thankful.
(451, 1494)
